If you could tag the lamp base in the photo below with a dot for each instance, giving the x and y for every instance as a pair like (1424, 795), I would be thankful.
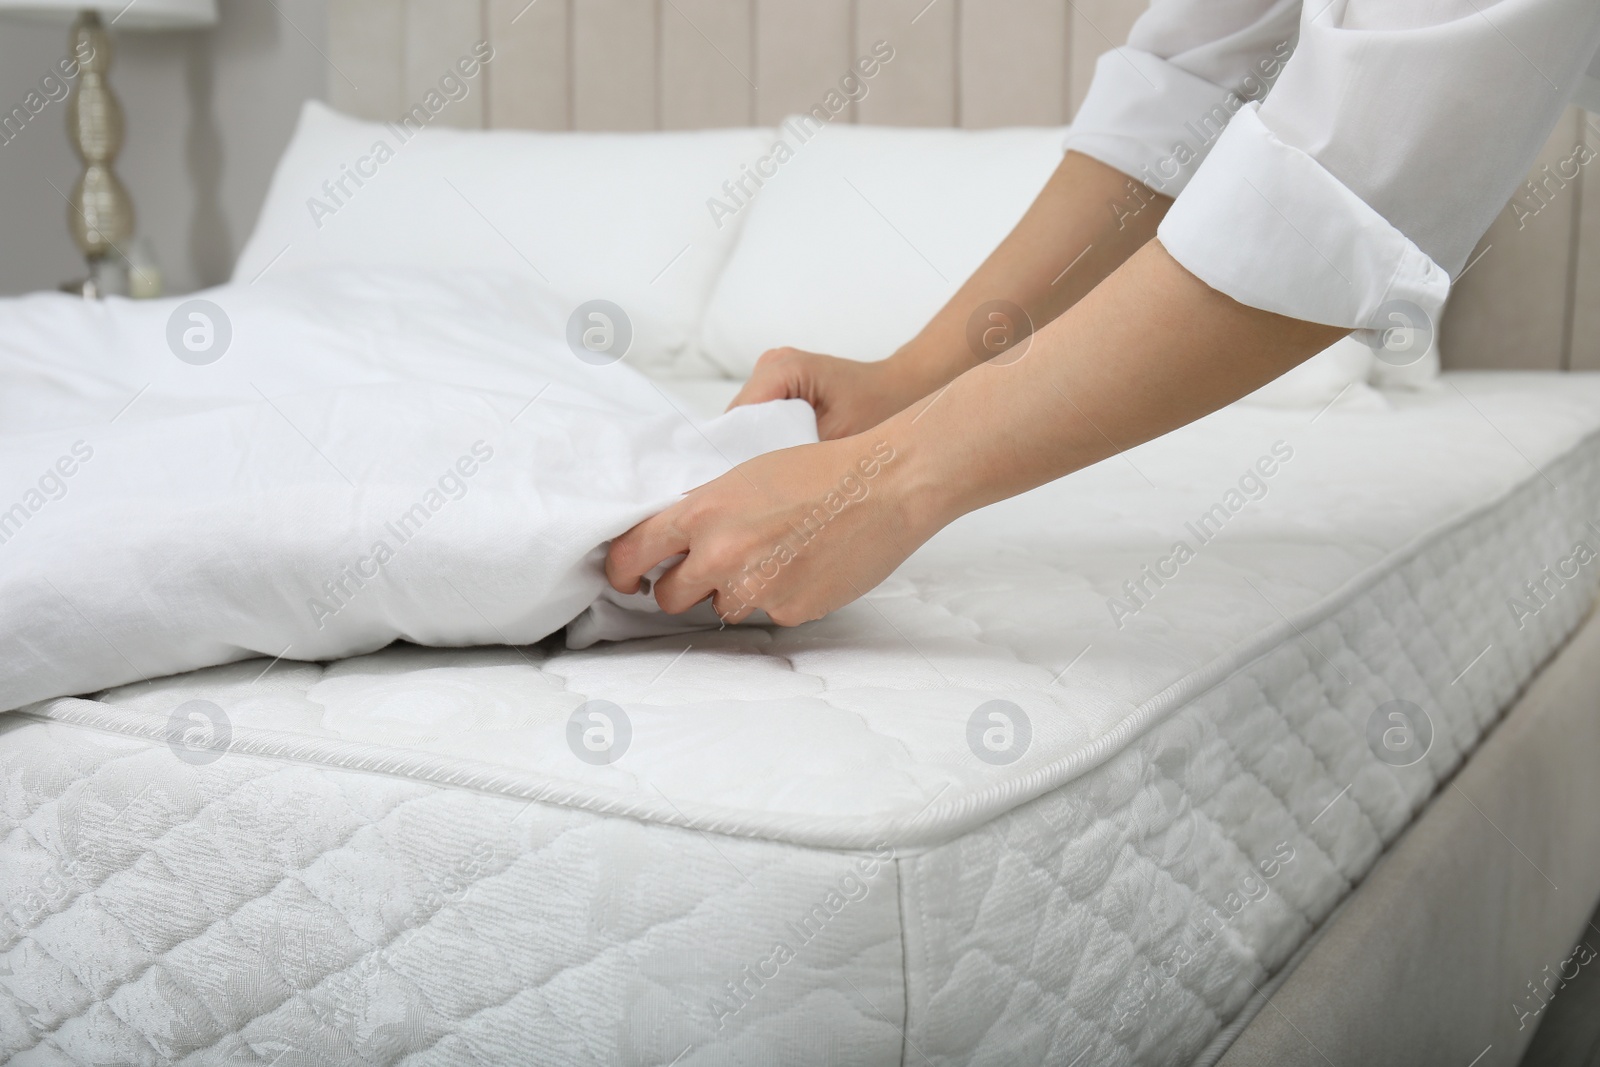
(108, 276)
(100, 212)
(87, 288)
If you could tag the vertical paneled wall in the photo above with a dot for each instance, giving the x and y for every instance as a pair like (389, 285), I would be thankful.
(1531, 299)
(438, 33)
(1530, 296)
(994, 42)
(800, 51)
(1584, 295)
(530, 77)
(691, 64)
(707, 64)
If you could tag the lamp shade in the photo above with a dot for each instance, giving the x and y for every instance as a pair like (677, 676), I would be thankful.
(126, 15)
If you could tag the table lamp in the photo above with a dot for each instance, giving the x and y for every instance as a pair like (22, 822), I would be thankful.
(100, 212)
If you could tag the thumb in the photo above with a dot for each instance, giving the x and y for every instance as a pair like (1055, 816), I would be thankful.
(767, 383)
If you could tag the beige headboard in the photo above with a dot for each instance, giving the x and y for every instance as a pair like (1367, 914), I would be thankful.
(1530, 300)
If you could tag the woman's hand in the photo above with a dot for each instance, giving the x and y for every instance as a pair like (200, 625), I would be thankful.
(849, 397)
(796, 533)
(804, 531)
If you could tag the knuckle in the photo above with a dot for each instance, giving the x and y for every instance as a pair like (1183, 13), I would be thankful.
(730, 609)
(722, 561)
(688, 514)
(671, 598)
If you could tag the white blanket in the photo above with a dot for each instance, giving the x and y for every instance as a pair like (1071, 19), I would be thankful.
(330, 484)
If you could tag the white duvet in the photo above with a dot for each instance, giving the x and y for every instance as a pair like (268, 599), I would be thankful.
(329, 483)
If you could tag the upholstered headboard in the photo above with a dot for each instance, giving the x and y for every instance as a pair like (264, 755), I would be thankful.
(1530, 298)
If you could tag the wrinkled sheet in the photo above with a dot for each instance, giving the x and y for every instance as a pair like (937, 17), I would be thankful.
(375, 456)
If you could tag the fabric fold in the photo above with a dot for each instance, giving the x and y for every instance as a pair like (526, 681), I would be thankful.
(1150, 119)
(1269, 226)
(215, 523)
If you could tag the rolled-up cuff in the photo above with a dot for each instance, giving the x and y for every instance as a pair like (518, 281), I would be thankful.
(1150, 119)
(1266, 224)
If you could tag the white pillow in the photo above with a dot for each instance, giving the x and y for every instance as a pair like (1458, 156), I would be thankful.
(1419, 375)
(619, 217)
(858, 237)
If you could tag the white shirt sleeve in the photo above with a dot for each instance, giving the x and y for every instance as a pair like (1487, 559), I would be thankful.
(1156, 106)
(1394, 135)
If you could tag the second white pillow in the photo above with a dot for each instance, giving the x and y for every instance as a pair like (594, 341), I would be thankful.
(861, 233)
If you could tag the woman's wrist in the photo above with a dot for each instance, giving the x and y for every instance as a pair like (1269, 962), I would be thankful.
(917, 369)
(918, 498)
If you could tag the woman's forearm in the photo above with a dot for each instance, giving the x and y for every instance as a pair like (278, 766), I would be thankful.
(1086, 221)
(1150, 349)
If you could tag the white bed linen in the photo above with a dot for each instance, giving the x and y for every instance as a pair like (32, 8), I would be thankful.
(1030, 910)
(617, 216)
(371, 496)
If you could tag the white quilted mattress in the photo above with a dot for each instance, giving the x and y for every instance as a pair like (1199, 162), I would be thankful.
(819, 844)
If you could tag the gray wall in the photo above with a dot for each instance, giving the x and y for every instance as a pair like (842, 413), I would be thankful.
(208, 113)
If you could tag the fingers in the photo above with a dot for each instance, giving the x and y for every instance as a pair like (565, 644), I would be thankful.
(775, 378)
(682, 587)
(636, 553)
(762, 387)
(731, 608)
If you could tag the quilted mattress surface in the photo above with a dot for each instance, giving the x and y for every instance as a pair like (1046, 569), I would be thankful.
(1067, 788)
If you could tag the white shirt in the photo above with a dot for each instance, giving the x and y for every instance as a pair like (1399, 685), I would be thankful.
(1393, 133)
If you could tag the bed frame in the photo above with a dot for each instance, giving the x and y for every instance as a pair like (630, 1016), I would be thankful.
(1436, 943)
(1446, 948)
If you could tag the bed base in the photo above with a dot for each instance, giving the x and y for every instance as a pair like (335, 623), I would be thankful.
(1450, 948)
